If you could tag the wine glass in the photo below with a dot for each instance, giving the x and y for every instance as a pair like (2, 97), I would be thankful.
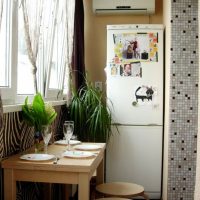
(68, 129)
(46, 134)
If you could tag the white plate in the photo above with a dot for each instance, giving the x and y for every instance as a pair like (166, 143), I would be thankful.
(37, 157)
(88, 147)
(78, 154)
(64, 142)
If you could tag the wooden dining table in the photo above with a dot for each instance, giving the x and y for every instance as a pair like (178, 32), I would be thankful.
(66, 170)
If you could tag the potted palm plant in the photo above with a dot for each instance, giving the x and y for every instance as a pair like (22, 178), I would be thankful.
(90, 113)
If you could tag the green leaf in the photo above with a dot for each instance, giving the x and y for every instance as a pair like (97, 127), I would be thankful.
(90, 114)
(37, 114)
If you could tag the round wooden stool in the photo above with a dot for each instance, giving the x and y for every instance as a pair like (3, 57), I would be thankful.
(112, 199)
(121, 189)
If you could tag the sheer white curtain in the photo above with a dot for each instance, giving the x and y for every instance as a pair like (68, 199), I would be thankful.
(1, 11)
(70, 10)
(49, 37)
(32, 14)
(1, 106)
(46, 40)
(59, 63)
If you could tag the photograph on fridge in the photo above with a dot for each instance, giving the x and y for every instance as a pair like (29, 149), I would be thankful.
(126, 69)
(131, 69)
(136, 46)
(114, 69)
(136, 69)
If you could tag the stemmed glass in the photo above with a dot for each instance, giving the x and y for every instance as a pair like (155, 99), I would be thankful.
(46, 134)
(68, 129)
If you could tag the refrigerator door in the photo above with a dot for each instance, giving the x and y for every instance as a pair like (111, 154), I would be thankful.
(127, 95)
(135, 155)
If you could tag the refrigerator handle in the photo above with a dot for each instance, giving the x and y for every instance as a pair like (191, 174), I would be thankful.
(118, 124)
(152, 124)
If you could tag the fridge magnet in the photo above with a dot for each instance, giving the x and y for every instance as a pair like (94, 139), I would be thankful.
(144, 95)
(135, 103)
(144, 55)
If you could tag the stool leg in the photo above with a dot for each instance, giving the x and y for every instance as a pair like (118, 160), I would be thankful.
(145, 196)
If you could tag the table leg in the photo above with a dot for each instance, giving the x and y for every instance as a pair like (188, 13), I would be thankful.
(100, 173)
(67, 191)
(84, 187)
(9, 185)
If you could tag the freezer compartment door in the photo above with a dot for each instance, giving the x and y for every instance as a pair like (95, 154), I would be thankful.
(135, 155)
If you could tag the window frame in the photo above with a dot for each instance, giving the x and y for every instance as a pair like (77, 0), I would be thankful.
(9, 94)
(54, 93)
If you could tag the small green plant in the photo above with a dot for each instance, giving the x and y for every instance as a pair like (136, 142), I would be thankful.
(91, 116)
(38, 113)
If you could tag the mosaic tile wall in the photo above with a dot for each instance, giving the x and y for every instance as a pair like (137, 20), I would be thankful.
(184, 99)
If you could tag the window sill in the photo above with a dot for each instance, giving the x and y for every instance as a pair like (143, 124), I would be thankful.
(18, 107)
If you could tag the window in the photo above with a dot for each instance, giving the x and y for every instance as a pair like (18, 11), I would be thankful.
(6, 78)
(4, 41)
(46, 31)
(57, 81)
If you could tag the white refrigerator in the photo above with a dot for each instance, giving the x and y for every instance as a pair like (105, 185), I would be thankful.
(135, 97)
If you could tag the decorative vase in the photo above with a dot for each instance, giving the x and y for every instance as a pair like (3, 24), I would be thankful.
(37, 142)
(46, 133)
